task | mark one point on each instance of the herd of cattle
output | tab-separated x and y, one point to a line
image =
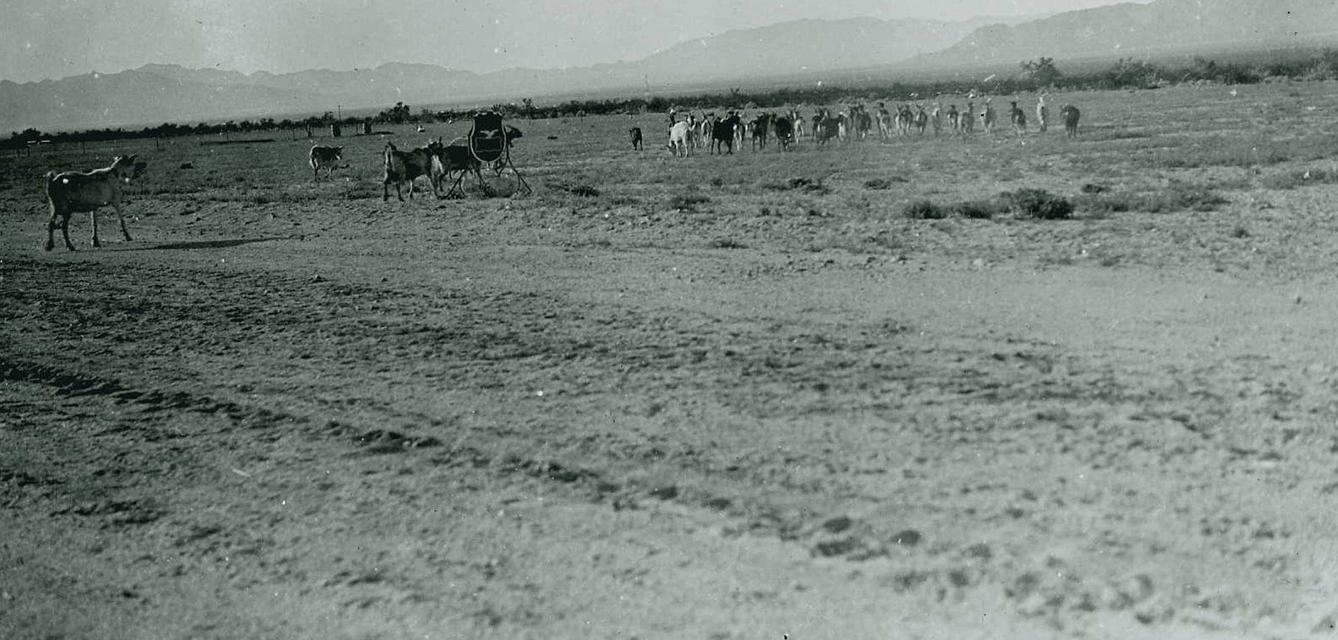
77	191
722	134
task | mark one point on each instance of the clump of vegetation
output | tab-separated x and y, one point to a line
687	201
1302	178
924	210
727	243
1038	204
1179	197
879	184
581	190
977	209
806	185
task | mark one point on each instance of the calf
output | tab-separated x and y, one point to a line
1018	118
75	191
1070	115
405	166
678	138
449	159
761	128
784	132
635	133
722	134
987	117
327	158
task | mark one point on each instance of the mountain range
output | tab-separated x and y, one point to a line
158	93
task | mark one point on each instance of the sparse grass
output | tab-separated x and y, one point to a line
1300	178
805	185
1180	197
726	243
882	184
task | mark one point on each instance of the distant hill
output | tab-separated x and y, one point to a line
158	93
1161	28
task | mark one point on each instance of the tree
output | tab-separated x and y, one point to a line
1042	71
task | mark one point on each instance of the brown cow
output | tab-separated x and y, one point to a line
76	191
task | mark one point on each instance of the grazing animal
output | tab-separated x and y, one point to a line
968	119
405	166
936	118
76	191
921	119
799	127
723	133
449	159
825	127
678	138
987	117
954	122
883	118
784	127
761	128
327	158
904	120
1018	118
1070	115
1042	114
635	133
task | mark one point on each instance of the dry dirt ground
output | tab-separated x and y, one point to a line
688	398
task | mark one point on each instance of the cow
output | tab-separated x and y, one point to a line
904	120
406	166
635	133
1018	118
761	127
799	129
825	127
987	117
448	159
723	133
678	138
1070	115
327	158
784	132
1042	114
76	191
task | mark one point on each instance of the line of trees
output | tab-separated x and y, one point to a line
1035	75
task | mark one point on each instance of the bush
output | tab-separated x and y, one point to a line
976	209
806	185
1038	204
924	210
687	202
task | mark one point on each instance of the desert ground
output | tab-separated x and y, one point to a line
741	397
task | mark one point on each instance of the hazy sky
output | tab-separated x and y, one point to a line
57	38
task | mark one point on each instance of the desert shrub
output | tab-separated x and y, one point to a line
1174	198
977	209
924	210
1038	203
807	185
687	201
1182	198
726	243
